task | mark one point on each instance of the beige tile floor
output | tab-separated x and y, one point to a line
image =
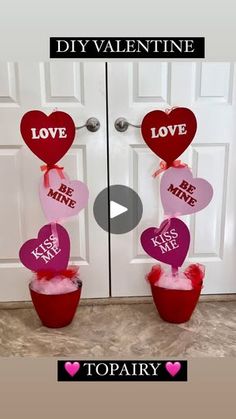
122	331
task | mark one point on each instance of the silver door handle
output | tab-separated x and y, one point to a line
92	124
121	124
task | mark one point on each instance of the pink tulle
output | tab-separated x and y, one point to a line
177	282
191	278
57	285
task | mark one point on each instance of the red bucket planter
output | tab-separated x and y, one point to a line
56	310
175	306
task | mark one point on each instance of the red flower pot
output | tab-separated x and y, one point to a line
56	310
175	306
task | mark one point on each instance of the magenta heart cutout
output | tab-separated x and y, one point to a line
173	368
50	251
181	193
169	243
72	367
62	198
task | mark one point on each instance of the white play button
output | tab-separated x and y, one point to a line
116	209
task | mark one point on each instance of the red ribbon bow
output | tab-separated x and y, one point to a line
164	166
47	169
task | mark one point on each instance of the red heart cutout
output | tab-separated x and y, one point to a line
48	137
169	134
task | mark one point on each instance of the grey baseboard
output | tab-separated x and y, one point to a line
12	305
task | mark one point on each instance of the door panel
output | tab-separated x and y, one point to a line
76	88
208	89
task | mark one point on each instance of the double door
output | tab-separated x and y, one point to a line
117	266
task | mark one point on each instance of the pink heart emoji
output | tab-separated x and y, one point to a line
72	367
50	251
173	368
169	243
62	198
181	193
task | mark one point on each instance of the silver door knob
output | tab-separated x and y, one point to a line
121	124
92	124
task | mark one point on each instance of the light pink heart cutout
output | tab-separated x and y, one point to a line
72	367
173	368
63	198
197	192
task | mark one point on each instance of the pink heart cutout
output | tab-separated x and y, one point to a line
62	198
169	243
197	192
173	368
50	251
72	367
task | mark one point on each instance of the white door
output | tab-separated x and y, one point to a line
209	90
76	88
